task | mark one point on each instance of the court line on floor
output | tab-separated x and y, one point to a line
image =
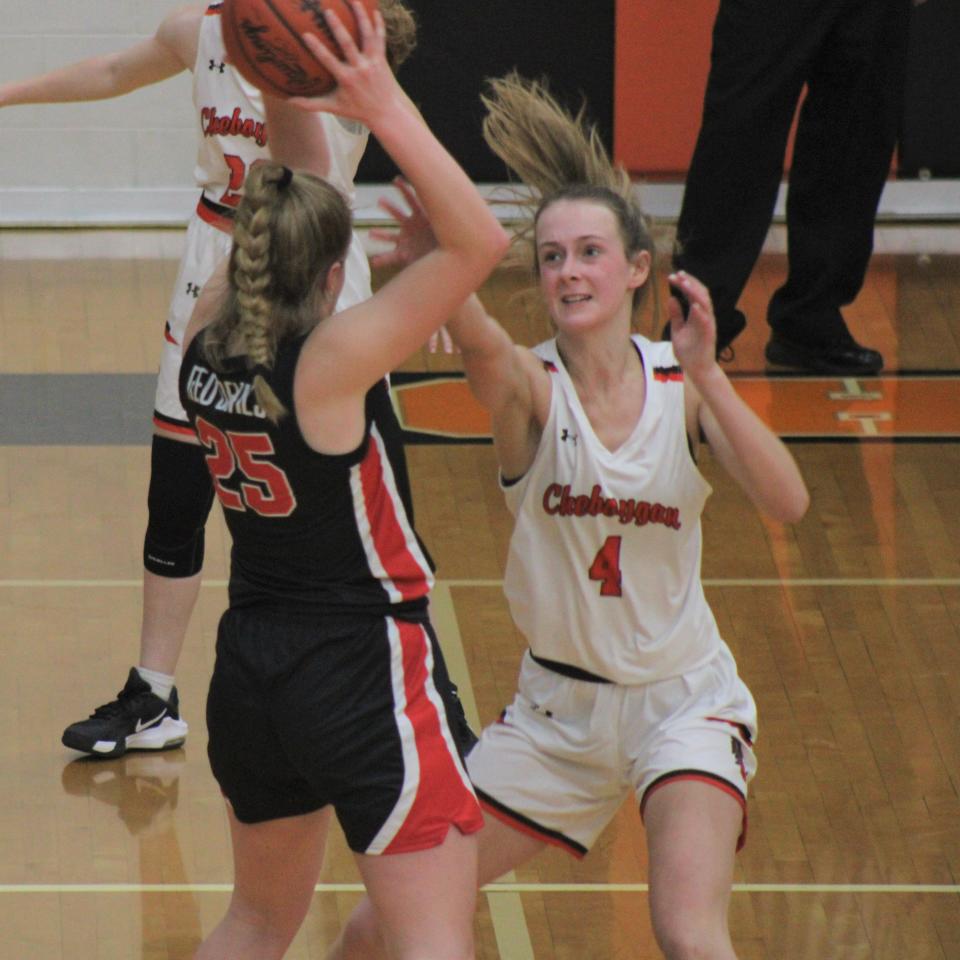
482	582
498	888
506	910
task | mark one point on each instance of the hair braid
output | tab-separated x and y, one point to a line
252	279
289	230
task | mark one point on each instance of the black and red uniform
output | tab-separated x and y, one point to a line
329	685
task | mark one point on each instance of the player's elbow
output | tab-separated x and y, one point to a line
477	258
493	242
500	243
792	504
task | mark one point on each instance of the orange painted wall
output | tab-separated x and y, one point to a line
662	59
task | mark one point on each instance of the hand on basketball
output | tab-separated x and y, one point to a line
694	338
365	84
414	236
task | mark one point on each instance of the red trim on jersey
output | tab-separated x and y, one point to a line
388	537
665	374
531	831
443	796
710	781
214	10
208	213
168	336
173	426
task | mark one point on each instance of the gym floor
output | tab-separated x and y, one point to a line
846	627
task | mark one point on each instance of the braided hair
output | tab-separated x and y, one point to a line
558	155
290	228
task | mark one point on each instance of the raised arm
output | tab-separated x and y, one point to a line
746	447
296	139
350	351
171	50
508	380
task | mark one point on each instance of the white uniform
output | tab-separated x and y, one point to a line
233	135
628	682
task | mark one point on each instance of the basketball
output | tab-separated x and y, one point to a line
264	42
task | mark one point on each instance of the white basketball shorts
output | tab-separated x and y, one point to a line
564	754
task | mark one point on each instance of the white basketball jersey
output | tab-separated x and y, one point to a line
233	133
603	571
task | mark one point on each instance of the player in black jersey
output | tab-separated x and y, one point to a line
329	691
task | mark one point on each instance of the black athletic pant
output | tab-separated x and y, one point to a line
851	54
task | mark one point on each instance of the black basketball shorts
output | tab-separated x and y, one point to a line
357	712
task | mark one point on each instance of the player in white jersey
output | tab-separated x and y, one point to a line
627	685
232	136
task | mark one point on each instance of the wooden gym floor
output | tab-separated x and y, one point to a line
845	626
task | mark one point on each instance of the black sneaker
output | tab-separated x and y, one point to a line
137	720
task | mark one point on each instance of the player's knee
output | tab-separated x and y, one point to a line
684	937
360	938
268	932
178	502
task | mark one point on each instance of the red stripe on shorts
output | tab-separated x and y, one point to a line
443	796
530	829
711	781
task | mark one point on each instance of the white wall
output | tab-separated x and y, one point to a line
129	160
126	160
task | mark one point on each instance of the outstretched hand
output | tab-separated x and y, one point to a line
410	241
414	236
694	337
366	85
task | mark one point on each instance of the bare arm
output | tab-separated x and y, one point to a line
746	447
169	51
750	452
350	351
296	139
508	380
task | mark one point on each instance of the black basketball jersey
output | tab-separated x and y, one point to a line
310	531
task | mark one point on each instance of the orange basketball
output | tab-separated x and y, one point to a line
264	41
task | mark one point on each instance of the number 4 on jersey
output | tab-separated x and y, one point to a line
606	568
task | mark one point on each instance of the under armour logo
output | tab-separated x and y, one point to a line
217	65
565	435
193	290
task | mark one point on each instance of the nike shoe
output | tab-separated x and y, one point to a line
137	720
